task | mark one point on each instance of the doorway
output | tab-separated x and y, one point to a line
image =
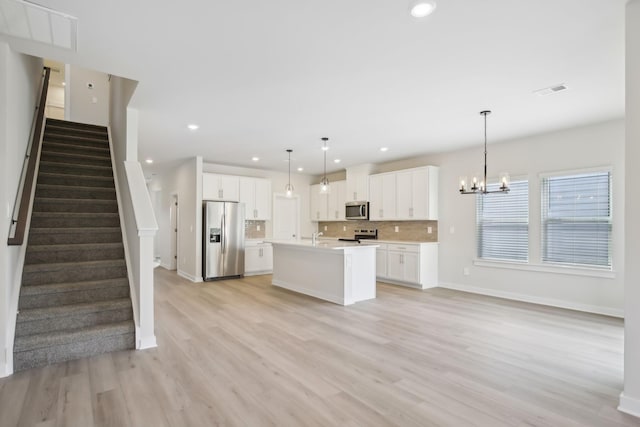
286	217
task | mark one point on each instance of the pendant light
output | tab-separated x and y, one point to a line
481	187
289	188
324	182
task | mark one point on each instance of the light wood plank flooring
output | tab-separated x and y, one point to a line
244	353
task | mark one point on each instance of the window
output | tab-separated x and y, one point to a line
503	223
576	219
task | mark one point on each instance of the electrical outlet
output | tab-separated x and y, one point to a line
396	229
466	271
94	100
325	228
429	230
344	228
452	230
258	227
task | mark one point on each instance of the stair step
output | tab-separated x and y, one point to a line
74	219
72	158
74	169
74	316
71	148
75	180
95	141
57	236
47	254
39	350
45	204
66	124
72	293
74	192
42	274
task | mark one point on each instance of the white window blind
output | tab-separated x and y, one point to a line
576	219
502	223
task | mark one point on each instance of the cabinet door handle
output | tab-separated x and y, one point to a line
381	215
355	196
411	212
255	213
336	214
220	193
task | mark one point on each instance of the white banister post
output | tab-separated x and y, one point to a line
146	334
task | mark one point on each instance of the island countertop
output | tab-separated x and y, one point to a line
337	271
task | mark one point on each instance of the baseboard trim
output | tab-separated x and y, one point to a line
166	266
188	276
5	371
607	311
629	405
147	342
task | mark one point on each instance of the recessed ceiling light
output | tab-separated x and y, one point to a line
193	127
383	149
551	89
149	161
336	161
422	8
300	169
255	159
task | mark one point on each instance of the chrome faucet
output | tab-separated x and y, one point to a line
315	236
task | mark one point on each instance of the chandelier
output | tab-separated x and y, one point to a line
480	187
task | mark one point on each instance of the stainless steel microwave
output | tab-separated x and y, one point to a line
357	210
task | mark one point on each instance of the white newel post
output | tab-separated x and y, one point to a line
146	334
630	397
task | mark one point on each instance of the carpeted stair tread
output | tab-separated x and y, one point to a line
74	168
75	125
74	158
73	180
75	219
75	192
62	266
68	148
38	296
36	341
41	254
72	286
58	236
59	204
31	314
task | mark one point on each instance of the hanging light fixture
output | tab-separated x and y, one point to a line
289	188
481	186
324	182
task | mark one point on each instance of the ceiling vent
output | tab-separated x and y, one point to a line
25	20
551	89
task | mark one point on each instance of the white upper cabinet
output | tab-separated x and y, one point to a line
357	185
382	197
220	187
318	204
255	193
336	201
413	193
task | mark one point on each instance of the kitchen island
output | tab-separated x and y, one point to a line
340	272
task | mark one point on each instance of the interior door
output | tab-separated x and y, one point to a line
286	217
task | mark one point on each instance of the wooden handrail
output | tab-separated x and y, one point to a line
25	199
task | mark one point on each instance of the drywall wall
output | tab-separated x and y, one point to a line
630	398
88	93
20	79
580	148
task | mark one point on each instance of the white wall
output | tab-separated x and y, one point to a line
579	148
20	77
88	105
630	398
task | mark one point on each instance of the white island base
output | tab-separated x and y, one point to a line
342	273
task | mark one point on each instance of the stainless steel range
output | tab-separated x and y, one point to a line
363	234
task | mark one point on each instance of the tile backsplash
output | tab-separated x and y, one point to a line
254	229
410	231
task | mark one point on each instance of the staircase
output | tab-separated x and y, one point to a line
74	300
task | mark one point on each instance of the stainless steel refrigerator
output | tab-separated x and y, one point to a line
223	245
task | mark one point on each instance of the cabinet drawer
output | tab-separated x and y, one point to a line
382	246
404	247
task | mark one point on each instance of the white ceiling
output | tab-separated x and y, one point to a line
263	76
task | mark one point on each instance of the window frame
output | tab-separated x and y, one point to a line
543	218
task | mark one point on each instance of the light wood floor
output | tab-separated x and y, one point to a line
245	353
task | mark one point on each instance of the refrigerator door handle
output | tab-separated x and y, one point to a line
223	237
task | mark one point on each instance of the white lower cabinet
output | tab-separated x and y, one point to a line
411	264
258	258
